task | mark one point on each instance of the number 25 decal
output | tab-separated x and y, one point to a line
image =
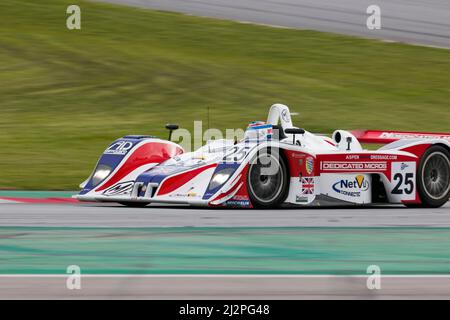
236	154
405	184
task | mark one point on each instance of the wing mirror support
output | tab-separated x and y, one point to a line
349	143
294	131
171	128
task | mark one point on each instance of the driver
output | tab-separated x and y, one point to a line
258	130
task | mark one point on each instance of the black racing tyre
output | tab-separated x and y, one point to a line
433	177
270	190
134	204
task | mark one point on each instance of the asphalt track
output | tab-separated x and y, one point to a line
217	286
111	215
223	288
425	22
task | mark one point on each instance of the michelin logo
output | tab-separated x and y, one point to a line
238	203
352	188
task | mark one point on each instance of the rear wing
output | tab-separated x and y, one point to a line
385	137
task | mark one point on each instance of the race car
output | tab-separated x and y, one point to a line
276	164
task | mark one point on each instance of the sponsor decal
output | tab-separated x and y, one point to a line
403	166
308	186
189	194
119	189
383	157
353	166
119	148
285	116
301	199
309	165
371	157
184	195
412	135
238	203
352	187
297	155
240	198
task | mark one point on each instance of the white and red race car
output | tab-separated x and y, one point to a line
276	164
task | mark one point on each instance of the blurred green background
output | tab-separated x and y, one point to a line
65	95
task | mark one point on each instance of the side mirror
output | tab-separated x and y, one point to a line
171	127
294	131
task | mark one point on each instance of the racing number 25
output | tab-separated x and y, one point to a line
405	184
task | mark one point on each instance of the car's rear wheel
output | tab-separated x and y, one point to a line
134	204
267	180
434	177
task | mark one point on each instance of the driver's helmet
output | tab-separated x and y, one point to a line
258	130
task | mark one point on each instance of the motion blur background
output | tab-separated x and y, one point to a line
65	94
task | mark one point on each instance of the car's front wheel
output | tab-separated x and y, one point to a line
434	177
267	180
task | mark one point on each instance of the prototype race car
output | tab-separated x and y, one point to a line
276	164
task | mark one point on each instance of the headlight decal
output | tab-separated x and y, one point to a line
100	174
221	175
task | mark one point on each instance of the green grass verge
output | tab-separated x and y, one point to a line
64	95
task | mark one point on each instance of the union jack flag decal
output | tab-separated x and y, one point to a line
308	185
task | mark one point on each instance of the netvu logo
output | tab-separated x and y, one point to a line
352	188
